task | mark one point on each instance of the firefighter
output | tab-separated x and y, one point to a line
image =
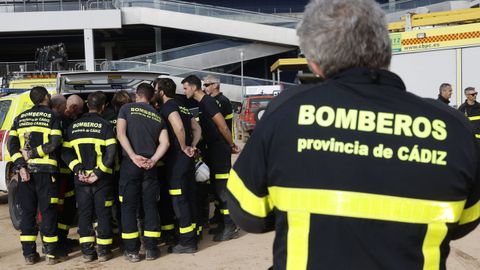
471	109
141	132
89	150
220	146
34	137
184	134
355	172
66	197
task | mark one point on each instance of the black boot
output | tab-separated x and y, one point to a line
230	231
104	253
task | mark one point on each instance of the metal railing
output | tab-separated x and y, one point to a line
183	72
411	4
25	66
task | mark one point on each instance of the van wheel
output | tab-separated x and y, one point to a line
13	204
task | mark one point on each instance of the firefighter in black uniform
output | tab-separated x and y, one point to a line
89	150
355	172
67	207
34	137
220	145
471	109
184	133
211	86
141	132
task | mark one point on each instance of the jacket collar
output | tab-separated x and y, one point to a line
360	75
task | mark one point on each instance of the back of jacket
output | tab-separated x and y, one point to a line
38	131
90	146
357	173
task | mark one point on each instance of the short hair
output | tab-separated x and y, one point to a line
443	87
342	34
470	88
193	80
96	100
166	85
145	90
212	79
119	99
58	100
37	94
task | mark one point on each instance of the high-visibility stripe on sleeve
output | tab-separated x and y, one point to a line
120	198
108	203
222	176
16	156
152	234
110	141
13	133
74	163
67	144
249	202
71	193
51	239
65	170
53	200
365	205
470	214
44	161
477	136
60	202
103	168
187	229
229	116
167	227
132	235
175	191
40	151
87	239
107	241
57	132
63	226
28	238
474	118
224	212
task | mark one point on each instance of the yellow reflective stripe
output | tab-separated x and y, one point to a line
16	156
28	238
108	203
60	201
73	163
120	198
249	202
110	141
52	239
108	241
199	230
474	118
57	132
132	235
187	229
22	131
71	193
43	161
104	169
63	226
76	142
13	133
436	232
297	240
222	176
87	239
175	191
40	151
151	234
224	212
53	200
67	144
477	136
65	171
365	205
470	214
167	227
229	116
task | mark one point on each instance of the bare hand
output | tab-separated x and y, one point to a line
92	178
139	161
189	151
24	175
25	154
235	149
149	164
83	176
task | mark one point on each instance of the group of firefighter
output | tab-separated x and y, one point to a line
126	166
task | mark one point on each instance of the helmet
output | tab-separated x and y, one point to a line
202	172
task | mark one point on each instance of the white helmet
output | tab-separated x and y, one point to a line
202	172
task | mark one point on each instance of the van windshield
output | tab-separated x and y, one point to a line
4	106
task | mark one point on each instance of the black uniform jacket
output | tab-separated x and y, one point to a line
357	173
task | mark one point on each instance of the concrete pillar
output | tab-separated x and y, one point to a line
391	5
158	44
89	49
108	50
